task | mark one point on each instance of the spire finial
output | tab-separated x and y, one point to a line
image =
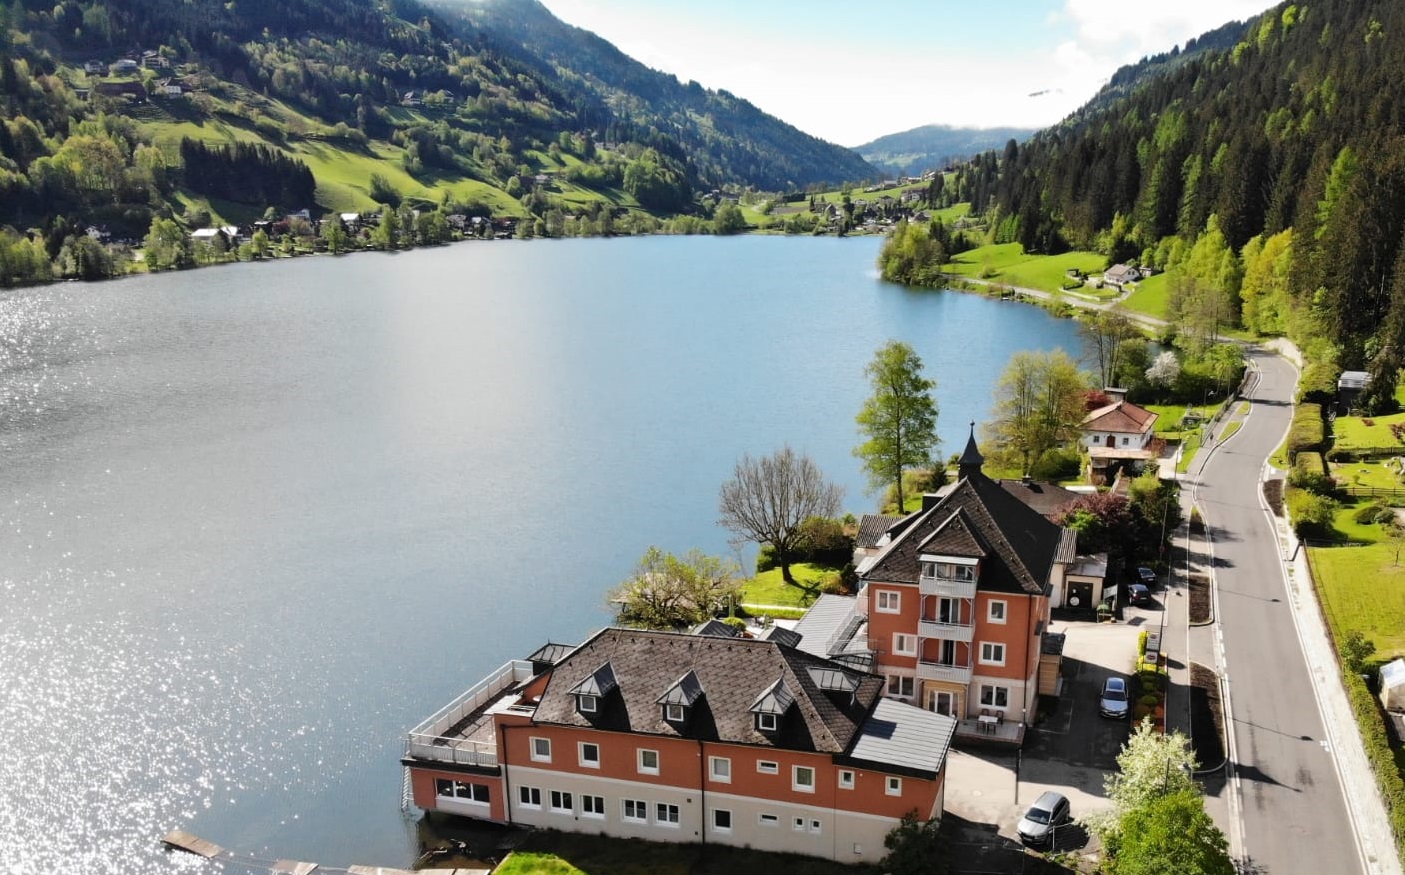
971	459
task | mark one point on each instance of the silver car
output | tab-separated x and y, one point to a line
1113	702
1049	812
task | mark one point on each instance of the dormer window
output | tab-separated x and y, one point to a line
593	687
771	706
766	722
685	693
587	704
673	713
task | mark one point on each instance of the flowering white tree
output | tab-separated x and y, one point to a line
1164	371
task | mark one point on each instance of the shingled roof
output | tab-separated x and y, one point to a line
872	528
733	675
1018	544
1121	417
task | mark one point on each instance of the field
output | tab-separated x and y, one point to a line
1362	588
1354	432
1150	298
769	588
1007	263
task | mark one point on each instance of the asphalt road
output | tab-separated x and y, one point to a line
1294	814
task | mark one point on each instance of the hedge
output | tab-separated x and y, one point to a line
1310	473
1307	432
1373	735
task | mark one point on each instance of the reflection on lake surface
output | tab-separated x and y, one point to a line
260	520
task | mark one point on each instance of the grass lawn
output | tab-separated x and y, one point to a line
1362	588
1189	446
1353	433
1150	298
769	588
1008	263
1230	429
559	853
1372	473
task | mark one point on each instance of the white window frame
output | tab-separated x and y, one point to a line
893	786
538	745
768	767
991	613
587	704
587	762
989	652
846	779
995	690
643	767
768	819
442	784
904	681
816	825
718	828
559	796
592	806
662	812
719	769
796	785
904	644
638	805
529	797
888	601
767	722
797	824
673	713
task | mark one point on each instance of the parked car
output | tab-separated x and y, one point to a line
1049	812
1113	701
1146	575
1138	594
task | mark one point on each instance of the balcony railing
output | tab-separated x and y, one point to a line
431	741
964	632
946	586
940	671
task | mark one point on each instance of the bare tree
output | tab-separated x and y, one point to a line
1103	333
768	499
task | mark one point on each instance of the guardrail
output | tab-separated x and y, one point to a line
428	740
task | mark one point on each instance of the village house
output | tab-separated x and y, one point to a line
125	65
686	738
1119	435
97	67
1119	276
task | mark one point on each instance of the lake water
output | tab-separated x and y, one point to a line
257	521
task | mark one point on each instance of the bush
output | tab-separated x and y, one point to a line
1310	473
1375	512
1307	432
1150	699
735	622
1057	464
1311	513
1373	734
1141	644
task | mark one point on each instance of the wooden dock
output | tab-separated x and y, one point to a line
183	841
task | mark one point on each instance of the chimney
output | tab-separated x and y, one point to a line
1117	395
929	500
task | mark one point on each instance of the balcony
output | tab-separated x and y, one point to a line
963	632
937	671
946	586
462	731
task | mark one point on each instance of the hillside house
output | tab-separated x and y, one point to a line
686	738
95	67
1119	435
1119	276
125	65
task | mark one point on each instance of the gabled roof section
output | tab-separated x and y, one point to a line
735	673
717	629
872	528
1021	544
551	653
781	635
904	738
598	683
1047	498
955	537
685	691
834	680
1120	417
775	699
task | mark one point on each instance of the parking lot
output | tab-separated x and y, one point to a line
1070	751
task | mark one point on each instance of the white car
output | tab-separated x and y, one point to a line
1113	702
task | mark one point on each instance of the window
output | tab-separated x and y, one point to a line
720	768
995	611
992	653
1124	442
803	779
673	713
541	750
815	826
634	811
798	824
587	704
529	797
767	767
590	755
444	787
901	686
766	722
846	779
721	820
593	806
475	793
665	814
768	819
561	802
904	644
889	601
948	571
648	762
998	697
895	786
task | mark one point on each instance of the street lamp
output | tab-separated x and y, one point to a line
1166	779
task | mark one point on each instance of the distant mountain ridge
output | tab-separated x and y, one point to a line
727	138
911	152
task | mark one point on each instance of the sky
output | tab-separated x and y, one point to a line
850	72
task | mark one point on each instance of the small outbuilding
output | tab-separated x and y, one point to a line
1393	685
1349	385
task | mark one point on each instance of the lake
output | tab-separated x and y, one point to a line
258	521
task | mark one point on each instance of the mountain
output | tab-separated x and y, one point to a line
1267	176
909	153
727	138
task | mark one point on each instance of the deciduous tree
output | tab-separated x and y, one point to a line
769	499
1039	405
671	592
1103	334
899	420
1171	833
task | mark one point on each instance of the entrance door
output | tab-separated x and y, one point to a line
942	702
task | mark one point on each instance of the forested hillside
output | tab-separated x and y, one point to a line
117	114
726	137
1268	178
931	146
